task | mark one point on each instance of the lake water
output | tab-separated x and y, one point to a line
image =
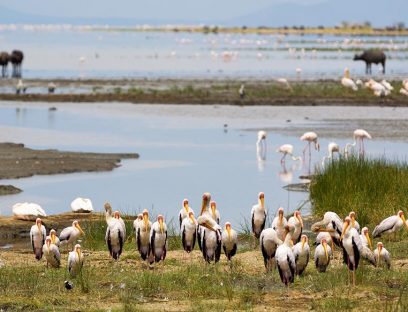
186	151
73	52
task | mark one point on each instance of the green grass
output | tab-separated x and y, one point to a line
373	188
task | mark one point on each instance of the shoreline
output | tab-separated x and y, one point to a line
203	91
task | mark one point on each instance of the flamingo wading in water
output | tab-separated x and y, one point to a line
310	137
359	135
287	149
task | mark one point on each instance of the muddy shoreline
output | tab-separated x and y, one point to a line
18	161
201	91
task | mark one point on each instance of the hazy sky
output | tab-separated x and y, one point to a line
145	9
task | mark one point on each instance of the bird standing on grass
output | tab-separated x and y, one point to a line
322	256
184	212
115	235
229	239
331	223
301	251
382	256
210	239
285	259
143	237
347	82
158	239
70	234
279	223
51	253
297	222
269	242
358	135
390	225
37	236
241	91
54	238
258	216
75	261
189	232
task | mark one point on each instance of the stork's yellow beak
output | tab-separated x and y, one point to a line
353	221
48	245
203	206
146	220
213	211
303	243
229	232
300	220
161	225
186	207
325	250
192	219
345	227
80	229
262	201
280	218
368	240
78	252
39	228
53	238
403	219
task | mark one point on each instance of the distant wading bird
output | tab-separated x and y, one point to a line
285	259
37	236
390	225
261	145
287	149
359	135
332	148
258	216
310	137
241	91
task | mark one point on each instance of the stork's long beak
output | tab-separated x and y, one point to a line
353	221
379	254
39	227
326	230
161	225
262	201
213	212
53	238
280	218
325	251
203	206
192	219
48	245
229	233
303	243
186	207
345	227
80	229
369	240
208	226
403	219
79	252
300	220
146	220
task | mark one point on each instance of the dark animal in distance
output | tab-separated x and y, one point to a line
371	56
16	59
4	59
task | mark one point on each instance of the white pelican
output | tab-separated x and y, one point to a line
184	211
332	148
279	223
115	236
28	211
301	251
241	91
20	87
377	88
332	223
70	234
189	232
285	83
205	211
403	91
358	135
366	252
297	222
382	256
387	85
158	239
81	205
54	238
285	259
352	247
310	137
269	242
143	236
37	236
390	225
229	240
51	87
354	223
258	216
287	149
211	239
51	253
347	82
322	256
75	261
215	214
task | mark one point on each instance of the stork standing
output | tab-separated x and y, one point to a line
143	237
189	232
158	239
285	259
205	211
54	238
258	216
211	239
229	240
287	149
366	252
352	247
382	256
279	223
75	261
70	234
297	222
51	253
301	251
115	236
37	236
184	212
269	242
322	256
358	135
390	225
215	214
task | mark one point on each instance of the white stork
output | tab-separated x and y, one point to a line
258	216
37	236
301	251
51	253
390	225
332	223
297	222
229	241
70	234
205	211
184	212
115	236
279	223
158	239
352	247
143	237
285	259
382	256
211	238
322	256
269	242
54	238
75	261
189	232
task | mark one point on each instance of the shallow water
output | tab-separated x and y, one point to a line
67	52
185	151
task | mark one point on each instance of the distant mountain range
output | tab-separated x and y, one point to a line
379	12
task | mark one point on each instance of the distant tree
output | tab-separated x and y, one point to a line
244	27
401	26
367	24
320	27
